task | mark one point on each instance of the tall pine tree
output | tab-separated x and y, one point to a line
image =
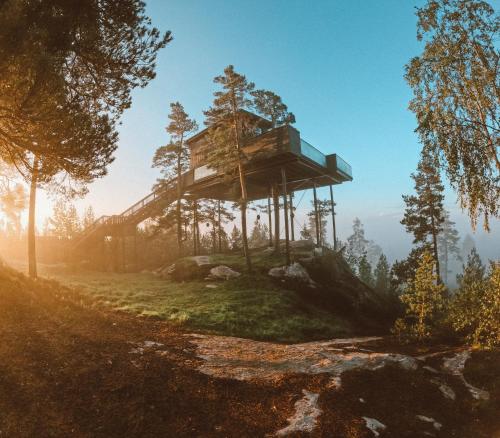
173	158
447	245
424	213
382	275
225	120
270	106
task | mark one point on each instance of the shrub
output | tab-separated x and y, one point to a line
424	300
475	309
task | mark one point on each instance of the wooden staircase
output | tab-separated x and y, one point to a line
135	214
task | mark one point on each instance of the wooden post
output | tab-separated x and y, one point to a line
276	202
104	252
195	227
219	231
270	221
123	248
292	215
285	207
136	260
333	219
316	216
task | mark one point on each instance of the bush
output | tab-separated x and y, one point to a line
424	300
475	309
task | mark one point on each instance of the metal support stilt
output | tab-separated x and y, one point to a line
195	227
123	250
316	215
270	221
333	219
219	231
276	202
292	215
285	207
136	260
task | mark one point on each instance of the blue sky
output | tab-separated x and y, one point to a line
338	65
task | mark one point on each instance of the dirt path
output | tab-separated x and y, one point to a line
69	369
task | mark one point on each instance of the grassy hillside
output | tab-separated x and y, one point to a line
252	307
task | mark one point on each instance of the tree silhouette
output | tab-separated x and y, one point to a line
66	76
447	245
382	275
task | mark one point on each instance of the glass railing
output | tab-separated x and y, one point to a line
312	153
343	166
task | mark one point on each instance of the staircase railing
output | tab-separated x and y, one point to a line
131	211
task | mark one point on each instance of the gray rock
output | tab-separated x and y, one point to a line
293	272
223	273
374	425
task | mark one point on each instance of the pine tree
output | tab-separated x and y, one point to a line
382	275
487	332
447	245
305	233
235	239
226	124
324	209
88	218
64	222
259	234
365	271
403	272
424	214
65	80
475	308
468	245
270	106
356	245
173	158
13	201
473	272
216	214
424	300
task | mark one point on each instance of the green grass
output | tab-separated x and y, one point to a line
249	306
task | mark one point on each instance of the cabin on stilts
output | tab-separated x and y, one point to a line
278	163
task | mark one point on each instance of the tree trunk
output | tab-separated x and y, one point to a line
178	208
195	220
219	226
316	217
332	204
445	260
285	212
31	221
270	221
435	250
243	209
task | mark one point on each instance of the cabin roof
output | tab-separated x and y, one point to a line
261	122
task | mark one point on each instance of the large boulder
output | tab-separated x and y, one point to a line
294	272
186	270
345	292
223	273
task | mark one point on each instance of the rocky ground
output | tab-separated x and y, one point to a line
68	368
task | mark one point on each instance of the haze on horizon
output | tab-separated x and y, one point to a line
337	65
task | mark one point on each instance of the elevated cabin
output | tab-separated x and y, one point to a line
269	150
279	163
